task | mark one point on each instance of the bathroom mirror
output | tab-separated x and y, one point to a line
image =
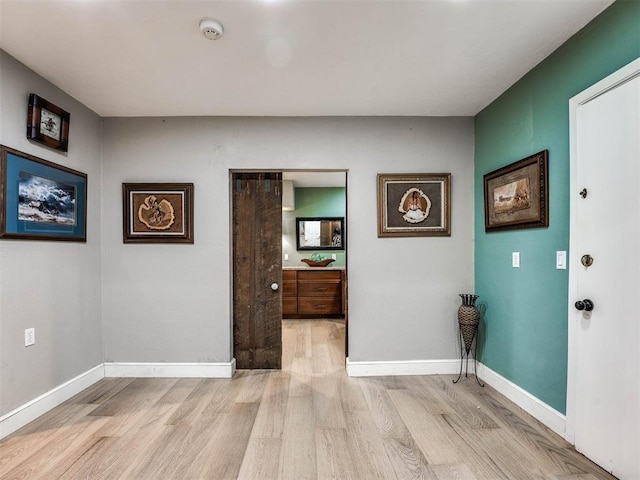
320	233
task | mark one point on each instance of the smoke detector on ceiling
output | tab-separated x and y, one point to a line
211	28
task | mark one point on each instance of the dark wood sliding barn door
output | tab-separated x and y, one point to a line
257	269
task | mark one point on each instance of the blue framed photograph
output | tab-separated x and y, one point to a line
41	200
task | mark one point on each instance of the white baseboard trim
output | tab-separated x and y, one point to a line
549	416
21	416
170	370
24	414
402	367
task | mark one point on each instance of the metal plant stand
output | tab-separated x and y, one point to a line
464	356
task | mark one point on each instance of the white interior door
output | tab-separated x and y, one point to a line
604	365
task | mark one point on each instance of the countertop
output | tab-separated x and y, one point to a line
313	268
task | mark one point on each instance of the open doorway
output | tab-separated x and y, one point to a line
314	261
271	271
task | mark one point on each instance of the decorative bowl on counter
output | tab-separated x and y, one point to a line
319	263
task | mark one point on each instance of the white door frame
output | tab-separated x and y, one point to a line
617	78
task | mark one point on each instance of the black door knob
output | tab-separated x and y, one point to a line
586	305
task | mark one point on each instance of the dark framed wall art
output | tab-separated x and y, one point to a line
320	233
416	204
47	123
40	200
517	195
157	212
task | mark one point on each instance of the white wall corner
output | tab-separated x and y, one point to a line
24	414
402	367
549	416
170	370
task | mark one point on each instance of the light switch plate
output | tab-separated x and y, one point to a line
561	260
515	259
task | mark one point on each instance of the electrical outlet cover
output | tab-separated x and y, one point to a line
29	337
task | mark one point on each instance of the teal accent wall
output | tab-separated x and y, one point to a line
323	202
525	325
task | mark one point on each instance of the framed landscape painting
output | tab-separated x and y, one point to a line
517	195
158	212
40	200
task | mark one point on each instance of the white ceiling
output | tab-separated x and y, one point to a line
288	57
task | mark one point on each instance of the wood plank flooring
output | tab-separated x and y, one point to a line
307	421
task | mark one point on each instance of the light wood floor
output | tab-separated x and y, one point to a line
307	421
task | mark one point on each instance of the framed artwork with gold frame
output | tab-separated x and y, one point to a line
414	205
157	212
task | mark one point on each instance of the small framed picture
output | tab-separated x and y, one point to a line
47	123
517	195
40	200
414	205
157	212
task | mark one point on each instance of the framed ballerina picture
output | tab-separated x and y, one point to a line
414	205
157	212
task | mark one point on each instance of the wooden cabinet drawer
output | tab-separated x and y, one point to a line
289	288
289	275
319	275
319	305
312	293
289	305
319	288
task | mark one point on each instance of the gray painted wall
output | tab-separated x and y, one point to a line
52	286
107	301
171	303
